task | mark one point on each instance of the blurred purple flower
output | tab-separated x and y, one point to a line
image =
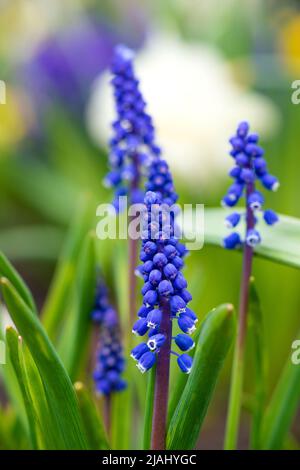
64	67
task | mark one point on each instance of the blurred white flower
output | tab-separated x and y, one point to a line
196	105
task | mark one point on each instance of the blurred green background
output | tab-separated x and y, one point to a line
206	65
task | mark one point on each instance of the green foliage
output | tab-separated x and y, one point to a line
92	421
213	344
58	387
282	407
281	244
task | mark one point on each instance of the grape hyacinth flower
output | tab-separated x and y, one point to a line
165	295
132	147
133	142
250	168
109	356
165	285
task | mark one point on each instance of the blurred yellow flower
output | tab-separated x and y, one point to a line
12	123
290	44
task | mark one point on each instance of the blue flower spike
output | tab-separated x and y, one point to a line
134	154
250	167
132	145
164	282
109	355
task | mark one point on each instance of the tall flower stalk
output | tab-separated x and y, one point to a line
165	296
131	147
250	167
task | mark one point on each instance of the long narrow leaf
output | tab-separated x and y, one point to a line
7	270
213	345
48	431
60	393
13	349
282	408
281	244
182	378
149	409
94	428
76	334
256	338
61	287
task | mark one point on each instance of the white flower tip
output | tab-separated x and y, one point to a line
191	330
228	224
141	368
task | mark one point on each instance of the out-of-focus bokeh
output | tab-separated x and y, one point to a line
204	66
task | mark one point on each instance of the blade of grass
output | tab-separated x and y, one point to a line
60	393
282	407
121	405
61	287
235	401
76	334
182	378
13	349
92	421
7	270
48	432
213	344
256	337
149	409
11	386
281	244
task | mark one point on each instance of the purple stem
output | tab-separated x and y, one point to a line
246	273
133	251
161	392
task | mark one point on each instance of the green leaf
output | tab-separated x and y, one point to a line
61	287
280	243
282	407
213	344
7	270
149	409
42	425
176	392
235	399
92	421
58	387
121	405
256	340
75	335
13	349
11	386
